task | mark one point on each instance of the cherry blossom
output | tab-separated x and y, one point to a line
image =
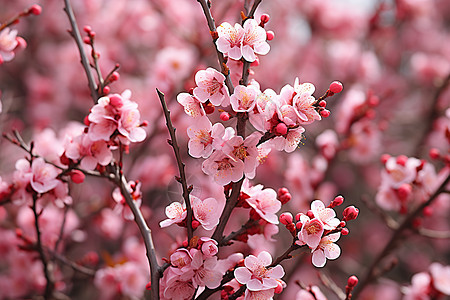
43	176
210	86
200	138
303	105
230	40
176	213
204	269
254	41
244	98
311	232
256	275
88	152
181	258
206	212
260	294
129	124
325	215
246	151
192	106
223	168
441	277
290	142
8	42
266	204
326	249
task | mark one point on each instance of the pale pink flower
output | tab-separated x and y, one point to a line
176	213
266	204
303	105
246	151
102	118
325	215
230	40
259	295
200	138
396	174
311	232
223	168
387	199
129	124
88	152
254	41
209	247
181	258
205	272
44	176
256	275
206	212
441	277
244	98
420	286
8	42
210	86
289	142
109	223
178	289
221	136
326	249
121	205
192	106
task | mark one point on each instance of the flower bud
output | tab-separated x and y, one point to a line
337	201
325	113
281	129
434	153
77	176
345	231
286	218
350	213
404	191
35	9
265	18
352	281
336	87
270	35
224	116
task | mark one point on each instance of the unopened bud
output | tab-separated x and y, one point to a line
337	201
384	158
195	224
352	281
224	116
286	218
77	176
279	288
325	113
345	231
350	213
35	9
434	153
401	160
281	129
265	18
404	191
270	35
336	87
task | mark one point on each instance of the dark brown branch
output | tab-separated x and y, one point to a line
76	267
121	182
176	150
50	285
390	246
75	32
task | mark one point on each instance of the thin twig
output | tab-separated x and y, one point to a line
75	32
329	283
50	285
76	267
181	166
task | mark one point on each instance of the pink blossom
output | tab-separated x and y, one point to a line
266	204
44	176
206	212
290	142
246	151
303	105
441	277
173	287
326	249
419	289
129	124
310	293
256	275
8	42
210	86
176	213
102	118
181	258
223	168
209	247
88	152
230	40
244	98
325	215
192	106
397	174
254	41
205	272
260	294
311	232
200	138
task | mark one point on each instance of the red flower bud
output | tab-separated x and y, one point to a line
336	87
286	218
352	281
350	213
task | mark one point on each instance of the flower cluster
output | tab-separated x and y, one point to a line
429	285
405	181
319	229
